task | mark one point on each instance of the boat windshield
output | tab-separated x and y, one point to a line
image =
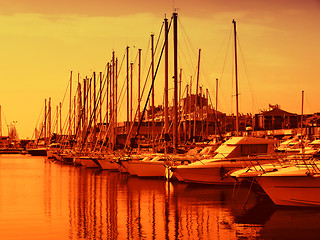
253	149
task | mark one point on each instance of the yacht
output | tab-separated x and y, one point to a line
296	185
234	154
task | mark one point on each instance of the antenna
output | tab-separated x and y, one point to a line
174	8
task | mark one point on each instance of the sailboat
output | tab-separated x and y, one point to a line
230	156
41	149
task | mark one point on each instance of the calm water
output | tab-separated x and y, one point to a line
40	199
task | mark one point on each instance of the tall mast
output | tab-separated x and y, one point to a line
175	96
79	105
236	73
112	102
128	90
302	121
216	124
152	94
100	109
60	107
85	104
45	120
207	113
49	119
94	101
0	123
187	113
107	98
196	99
116	99
139	80
70	106
57	120
179	106
166	83
201	112
131	81
190	109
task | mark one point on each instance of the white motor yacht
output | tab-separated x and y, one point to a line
232	155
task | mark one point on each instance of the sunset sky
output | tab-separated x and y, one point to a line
42	41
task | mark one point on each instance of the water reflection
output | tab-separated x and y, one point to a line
40	199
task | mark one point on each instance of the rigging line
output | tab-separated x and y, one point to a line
104	118
308	102
134	71
184	33
183	56
192	55
68	85
95	147
223	67
248	78
215	116
120	96
34	134
92	116
149	71
226	56
86	99
153	80
86	96
6	120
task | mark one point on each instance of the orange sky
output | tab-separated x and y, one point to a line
42	41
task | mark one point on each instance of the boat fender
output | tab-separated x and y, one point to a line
185	162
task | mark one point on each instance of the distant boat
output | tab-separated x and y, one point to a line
37	151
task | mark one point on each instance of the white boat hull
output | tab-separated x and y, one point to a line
108	164
292	190
87	162
205	174
147	169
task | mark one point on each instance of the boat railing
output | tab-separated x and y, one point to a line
263	162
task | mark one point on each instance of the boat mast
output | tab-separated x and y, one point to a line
60	123
112	100
131	85
94	102
302	146
196	100
175	97
70	103
186	116
139	97
115	121
0	123
45	121
179	106
190	109
49	120
152	93
236	74
139	87
127	128
166	83
216	124
100	90
207	113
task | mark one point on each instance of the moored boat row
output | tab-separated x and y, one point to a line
289	180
